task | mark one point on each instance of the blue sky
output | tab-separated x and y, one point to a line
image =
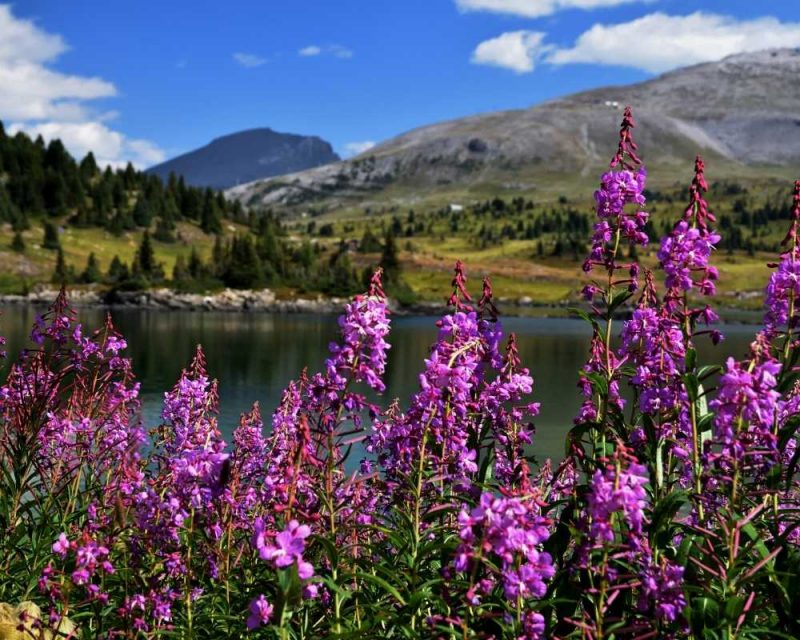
147	80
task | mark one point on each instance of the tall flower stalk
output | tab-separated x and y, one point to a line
619	202
684	256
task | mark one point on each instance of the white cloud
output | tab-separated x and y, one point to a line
335	50
41	100
536	8
356	148
146	152
340	52
249	60
109	147
515	50
33	92
23	41
659	42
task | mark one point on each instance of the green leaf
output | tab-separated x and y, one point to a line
618	300
733	607
691	359
368	577
584	316
704	613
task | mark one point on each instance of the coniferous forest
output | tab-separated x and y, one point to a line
43	185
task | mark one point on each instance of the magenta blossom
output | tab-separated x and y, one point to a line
288	548
260	613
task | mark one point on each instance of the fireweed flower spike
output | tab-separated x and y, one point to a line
653	342
440	430
684	256
782	298
510	433
615	550
619	189
685	252
747	408
619	203
364	327
501	546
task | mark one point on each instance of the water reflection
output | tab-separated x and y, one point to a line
255	355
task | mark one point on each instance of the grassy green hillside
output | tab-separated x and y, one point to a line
36	264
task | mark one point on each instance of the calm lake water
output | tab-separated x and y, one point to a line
255	355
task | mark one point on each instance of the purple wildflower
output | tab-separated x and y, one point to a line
260	613
782	298
685	252
504	536
619	189
662	589
61	546
746	409
618	489
364	327
288	548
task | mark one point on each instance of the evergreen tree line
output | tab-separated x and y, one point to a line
251	259
43	181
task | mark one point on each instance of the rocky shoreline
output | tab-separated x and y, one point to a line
227	300
266	301
232	300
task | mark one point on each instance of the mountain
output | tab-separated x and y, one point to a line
246	156
743	113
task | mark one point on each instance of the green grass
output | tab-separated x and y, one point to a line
515	270
36	264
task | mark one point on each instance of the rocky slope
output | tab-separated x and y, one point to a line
246	156
743	110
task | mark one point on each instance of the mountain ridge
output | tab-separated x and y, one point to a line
741	111
247	155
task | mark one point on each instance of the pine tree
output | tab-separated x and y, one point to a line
102	202
81	217
54	194
62	274
196	268
116	224
218	257
343	280
7	209
18	244
369	243
118	271
390	263
51	240
91	273
192	204
88	168
142	215
164	232
119	196
145	262
211	220
243	267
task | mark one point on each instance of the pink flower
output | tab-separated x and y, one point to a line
260	613
61	546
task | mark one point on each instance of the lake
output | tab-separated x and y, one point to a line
255	355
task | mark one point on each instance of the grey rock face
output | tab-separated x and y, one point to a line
743	109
